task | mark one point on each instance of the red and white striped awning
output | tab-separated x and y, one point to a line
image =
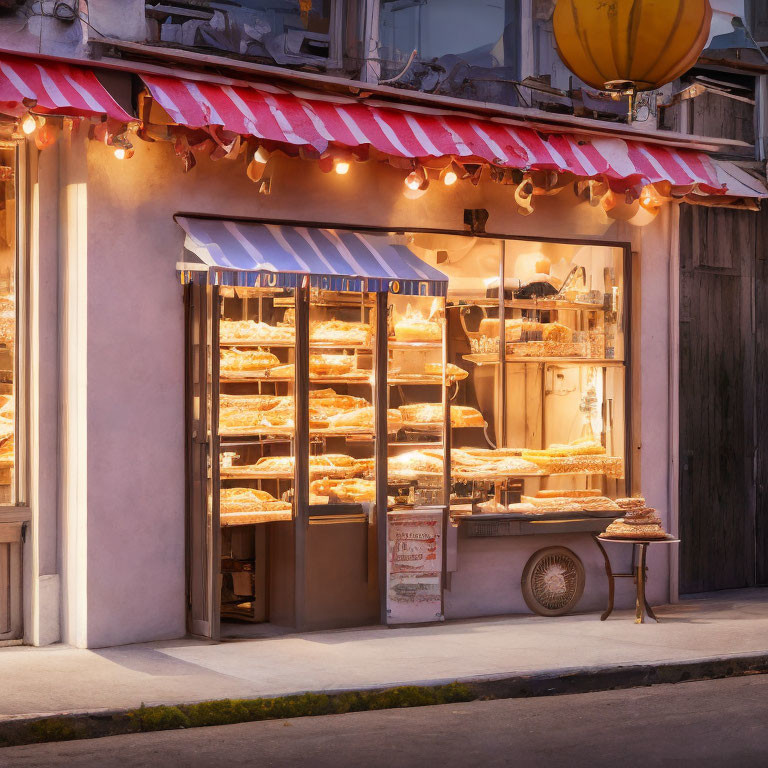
54	88
308	119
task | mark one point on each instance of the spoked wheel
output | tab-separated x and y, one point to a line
553	581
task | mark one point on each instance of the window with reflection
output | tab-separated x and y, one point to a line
462	49
8	335
281	31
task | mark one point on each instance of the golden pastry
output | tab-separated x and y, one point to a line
331	365
345	491
339	332
414	327
431	414
246	360
452	372
624	529
557	332
414	463
636	502
234	331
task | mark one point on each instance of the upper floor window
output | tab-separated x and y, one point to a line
471	50
286	32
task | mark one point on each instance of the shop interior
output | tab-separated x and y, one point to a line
332	407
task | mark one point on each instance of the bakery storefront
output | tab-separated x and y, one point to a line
405	402
331	363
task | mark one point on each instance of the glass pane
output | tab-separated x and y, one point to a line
547	383
7	323
417	392
341	385
563	301
456	43
256	405
276	29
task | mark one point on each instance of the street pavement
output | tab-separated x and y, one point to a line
714	723
56	679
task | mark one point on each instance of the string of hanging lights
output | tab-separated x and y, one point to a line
637	205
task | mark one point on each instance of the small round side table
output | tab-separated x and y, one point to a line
639	573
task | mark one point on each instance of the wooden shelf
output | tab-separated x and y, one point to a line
544	305
492	358
393	344
292	344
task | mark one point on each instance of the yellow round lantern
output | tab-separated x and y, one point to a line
639	45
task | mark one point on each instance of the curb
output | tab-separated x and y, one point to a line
66	726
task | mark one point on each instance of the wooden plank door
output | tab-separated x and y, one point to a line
717	399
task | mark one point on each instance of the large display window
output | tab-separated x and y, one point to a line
352	422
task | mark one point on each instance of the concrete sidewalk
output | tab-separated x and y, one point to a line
58	679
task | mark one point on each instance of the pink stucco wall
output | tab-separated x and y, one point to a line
135	373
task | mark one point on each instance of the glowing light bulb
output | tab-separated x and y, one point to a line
646	198
413	181
261	155
120	153
341	167
29	125
450	178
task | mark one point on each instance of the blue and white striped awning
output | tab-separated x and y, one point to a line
274	255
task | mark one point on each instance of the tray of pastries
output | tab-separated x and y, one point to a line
242	506
339	333
582	456
252	332
433	374
428	416
413	465
642	523
414	328
361	421
571	501
469	464
330	491
245	363
329	412
336	465
256	364
331	332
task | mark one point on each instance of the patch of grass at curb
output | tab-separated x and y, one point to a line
228	712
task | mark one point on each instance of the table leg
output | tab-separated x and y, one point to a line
640	603
611	580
